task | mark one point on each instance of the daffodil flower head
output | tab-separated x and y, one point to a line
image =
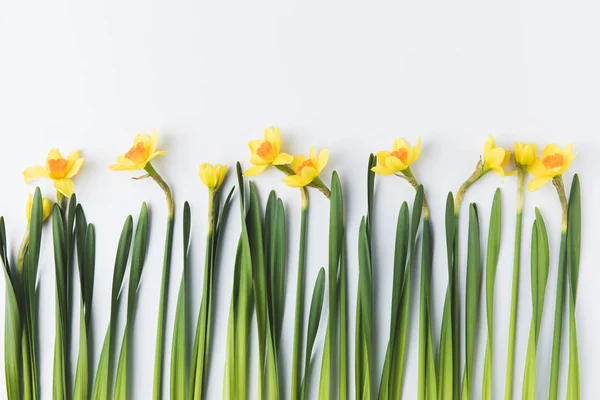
59	169
264	153
525	154
46	208
553	163
495	158
212	175
399	159
141	153
307	169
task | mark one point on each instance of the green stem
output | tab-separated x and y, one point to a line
560	292
299	315
201	348
479	172
475	176
410	178
510	363
160	328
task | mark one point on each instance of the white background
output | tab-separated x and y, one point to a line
344	76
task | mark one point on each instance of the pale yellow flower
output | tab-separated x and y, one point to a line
267	152
140	154
553	163
212	175
307	169
399	159
495	158
59	169
525	154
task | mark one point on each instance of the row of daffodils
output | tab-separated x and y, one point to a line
446	363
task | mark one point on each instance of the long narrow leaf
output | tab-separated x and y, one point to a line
493	252
101	389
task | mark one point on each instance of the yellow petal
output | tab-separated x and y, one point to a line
381	157
53	154
489	145
309	173
208	175
125	164
75	167
323	159
313	156
154	155
145	139
253	145
383	171
46	208
295	181
551	149
494	157
65	186
282	159
273	136
537	183
395	164
221	172
537	168
255	170
258	160
153	141
414	152
400	143
35	172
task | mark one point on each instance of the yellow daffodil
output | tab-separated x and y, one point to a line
307	169
399	159
59	169
525	154
554	162
495	158
46	207
212	175
140	154
266	152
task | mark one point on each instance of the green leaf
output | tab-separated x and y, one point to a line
427	380
493	252
59	386
336	232
140	247
314	318
87	284
12	326
101	390
178	345
446	372
573	256
299	308
472	299
364	313
400	256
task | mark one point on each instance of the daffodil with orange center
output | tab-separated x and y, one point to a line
554	162
267	152
141	153
306	170
59	169
139	157
399	159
